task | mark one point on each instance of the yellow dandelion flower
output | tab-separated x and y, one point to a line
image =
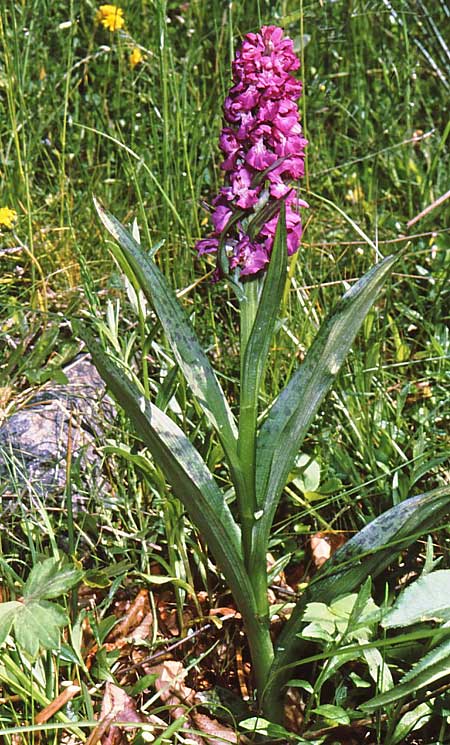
136	57
111	17
7	217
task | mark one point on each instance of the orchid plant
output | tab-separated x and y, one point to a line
257	224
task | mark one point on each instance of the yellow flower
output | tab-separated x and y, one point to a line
111	17
136	57
7	217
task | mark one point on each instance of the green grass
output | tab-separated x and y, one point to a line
77	121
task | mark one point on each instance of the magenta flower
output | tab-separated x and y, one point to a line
264	152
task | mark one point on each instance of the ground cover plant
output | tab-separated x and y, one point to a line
127	106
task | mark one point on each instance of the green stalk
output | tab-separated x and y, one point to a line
246	445
258	625
261	650
249	306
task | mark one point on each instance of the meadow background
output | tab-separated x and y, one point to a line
78	118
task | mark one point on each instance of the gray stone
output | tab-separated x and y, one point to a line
58	419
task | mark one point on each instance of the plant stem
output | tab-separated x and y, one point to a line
258	578
247	426
261	650
248	308
258	624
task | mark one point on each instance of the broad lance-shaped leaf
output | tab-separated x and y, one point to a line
261	334
185	470
292	413
434	666
257	349
368	553
188	353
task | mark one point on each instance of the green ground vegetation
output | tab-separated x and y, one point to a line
77	119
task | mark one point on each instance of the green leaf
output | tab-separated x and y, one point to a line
378	669
30	687
37	624
292	413
35	621
345	617
261	726
319	613
335	662
363	605
96	578
185	470
426	599
306	474
359	682
432	667
258	344
368	553
430	562
140	461
7	614
188	353
333	714
319	630
147	681
300	683
410	721
50	579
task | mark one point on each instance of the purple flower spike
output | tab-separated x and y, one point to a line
264	152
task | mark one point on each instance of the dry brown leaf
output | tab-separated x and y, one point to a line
173	690
176	694
143	631
135	625
293	709
168	618
423	389
213	729
279	578
137	611
116	706
17	740
242	673
324	544
225	613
